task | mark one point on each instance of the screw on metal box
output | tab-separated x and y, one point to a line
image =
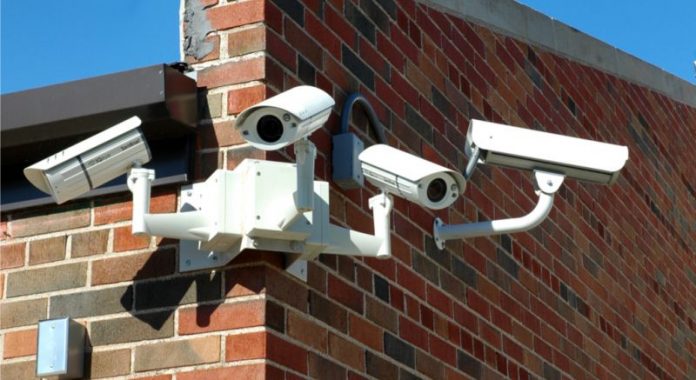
60	348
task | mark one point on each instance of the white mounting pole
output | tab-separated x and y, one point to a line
546	183
381	206
139	183
305	154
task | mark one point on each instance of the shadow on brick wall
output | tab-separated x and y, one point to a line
154	300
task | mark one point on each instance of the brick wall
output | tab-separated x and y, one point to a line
604	288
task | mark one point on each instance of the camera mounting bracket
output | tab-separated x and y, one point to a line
546	185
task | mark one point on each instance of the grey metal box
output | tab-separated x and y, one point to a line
347	171
61	348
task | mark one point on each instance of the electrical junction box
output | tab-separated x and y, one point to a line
347	170
61	349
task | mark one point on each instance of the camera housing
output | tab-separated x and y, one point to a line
528	149
285	118
411	177
91	162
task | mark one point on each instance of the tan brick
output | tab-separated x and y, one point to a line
47	250
213	106
124	240
108	363
242	98
133	267
12	255
22	313
246	41
236	156
89	243
20	343
347	352
2	285
46	279
132	328
43	224
177	354
21	370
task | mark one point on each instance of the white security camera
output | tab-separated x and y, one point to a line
91	162
285	118
521	148
411	177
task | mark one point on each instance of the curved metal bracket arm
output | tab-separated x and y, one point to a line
354	98
546	183
343	241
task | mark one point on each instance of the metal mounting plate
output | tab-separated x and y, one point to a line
190	257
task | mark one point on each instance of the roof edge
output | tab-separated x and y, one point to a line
523	22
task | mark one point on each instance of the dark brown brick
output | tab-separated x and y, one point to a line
320	367
327	312
89	243
47	250
177	291
22	313
132	328
92	303
46	279
177	354
380	368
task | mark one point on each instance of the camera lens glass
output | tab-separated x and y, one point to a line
269	128
437	189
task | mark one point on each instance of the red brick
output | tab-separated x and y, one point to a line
124	240
51	222
345	294
12	255
241	98
237	14
232	73
326	38
133	267
246	346
300	41
439	299
287	354
411	281
246	371
413	333
112	213
281	51
365	332
195	320
19	343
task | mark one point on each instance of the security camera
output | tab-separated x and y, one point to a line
91	162
285	118
411	177
520	148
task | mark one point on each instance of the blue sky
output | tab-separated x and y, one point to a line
661	32
51	41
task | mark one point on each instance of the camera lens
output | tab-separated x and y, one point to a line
269	128
437	189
